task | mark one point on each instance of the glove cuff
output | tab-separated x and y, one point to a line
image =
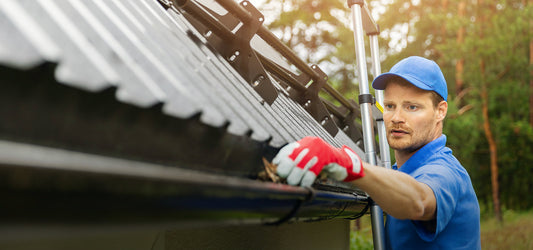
355	169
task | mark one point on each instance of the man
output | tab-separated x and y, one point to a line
428	196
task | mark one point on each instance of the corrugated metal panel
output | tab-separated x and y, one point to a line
32	45
151	56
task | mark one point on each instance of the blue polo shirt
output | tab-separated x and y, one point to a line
457	219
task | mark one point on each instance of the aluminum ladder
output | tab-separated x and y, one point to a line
363	21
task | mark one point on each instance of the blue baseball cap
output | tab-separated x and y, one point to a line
421	72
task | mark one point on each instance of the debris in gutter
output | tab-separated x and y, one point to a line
269	174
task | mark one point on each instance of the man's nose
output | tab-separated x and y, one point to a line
397	116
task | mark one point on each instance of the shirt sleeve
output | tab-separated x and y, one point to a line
446	187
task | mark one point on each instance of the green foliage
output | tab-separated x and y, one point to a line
359	241
319	32
496	33
515	233
502	43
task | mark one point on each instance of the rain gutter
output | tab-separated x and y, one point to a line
44	184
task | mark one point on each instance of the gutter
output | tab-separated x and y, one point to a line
44	185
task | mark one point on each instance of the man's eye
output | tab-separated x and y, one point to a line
389	106
412	107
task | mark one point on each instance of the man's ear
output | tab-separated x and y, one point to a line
442	110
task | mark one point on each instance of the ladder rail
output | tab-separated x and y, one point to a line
382	133
365	102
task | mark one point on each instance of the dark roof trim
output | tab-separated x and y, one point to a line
72	187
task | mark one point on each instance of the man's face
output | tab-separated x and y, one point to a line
410	117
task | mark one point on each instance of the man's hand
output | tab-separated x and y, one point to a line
301	162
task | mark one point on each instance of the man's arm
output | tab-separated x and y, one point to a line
398	194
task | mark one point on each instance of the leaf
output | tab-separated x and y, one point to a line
270	172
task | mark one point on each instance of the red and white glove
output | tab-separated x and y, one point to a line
301	162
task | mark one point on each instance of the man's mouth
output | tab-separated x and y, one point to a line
398	132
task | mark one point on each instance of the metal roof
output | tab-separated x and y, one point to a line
150	55
93	74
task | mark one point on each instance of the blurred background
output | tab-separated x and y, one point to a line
485	50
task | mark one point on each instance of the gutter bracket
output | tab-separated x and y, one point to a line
310	100
234	45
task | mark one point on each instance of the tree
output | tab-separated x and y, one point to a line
494	52
482	48
485	51
319	32
529	3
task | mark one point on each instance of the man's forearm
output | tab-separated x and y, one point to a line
398	194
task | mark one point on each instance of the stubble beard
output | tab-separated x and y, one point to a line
408	143
405	147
